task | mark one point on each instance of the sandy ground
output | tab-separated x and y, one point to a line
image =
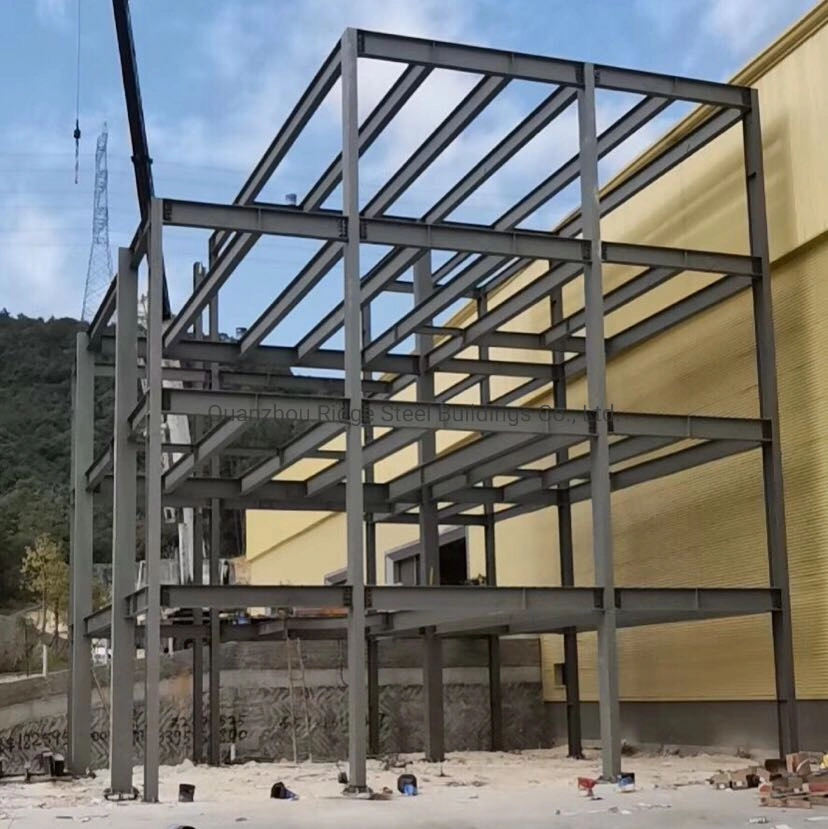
470	789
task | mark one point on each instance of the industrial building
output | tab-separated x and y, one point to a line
708	683
598	432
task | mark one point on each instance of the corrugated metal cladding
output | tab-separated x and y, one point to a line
704	526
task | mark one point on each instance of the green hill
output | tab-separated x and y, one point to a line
35	446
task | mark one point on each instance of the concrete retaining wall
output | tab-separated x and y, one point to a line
258	708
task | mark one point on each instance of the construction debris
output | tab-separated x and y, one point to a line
799	783
278	791
747	778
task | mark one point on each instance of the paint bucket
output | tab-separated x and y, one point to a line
406	780
186	793
626	782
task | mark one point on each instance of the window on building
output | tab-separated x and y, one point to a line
560	674
404	565
407	570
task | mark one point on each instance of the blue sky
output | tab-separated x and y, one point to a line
218	77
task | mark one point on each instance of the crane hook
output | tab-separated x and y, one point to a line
77	135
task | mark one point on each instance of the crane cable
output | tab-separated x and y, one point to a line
77	132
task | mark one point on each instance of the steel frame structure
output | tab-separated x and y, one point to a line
462	486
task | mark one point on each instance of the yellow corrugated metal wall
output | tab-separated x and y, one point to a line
703	526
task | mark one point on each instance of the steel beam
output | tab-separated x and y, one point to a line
772	468
124	515
732	264
395	263
409	233
700	137
566	469
327	256
440	300
465	58
80	557
375	451
635	607
310	101
102	316
613	300
668	465
270	364
502	464
611	138
397	414
556	277
210	445
98	625
401	91
294	451
452	464
100	466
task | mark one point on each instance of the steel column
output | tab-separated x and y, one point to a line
80	554
124	508
214	680
490	551
198	643
434	725
566	556
371	572
609	709
198	575
153	509
357	688
772	471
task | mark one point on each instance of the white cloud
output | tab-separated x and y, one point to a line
53	12
262	81
743	25
740	27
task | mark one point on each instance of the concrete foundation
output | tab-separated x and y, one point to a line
722	725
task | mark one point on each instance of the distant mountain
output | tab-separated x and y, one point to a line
36	361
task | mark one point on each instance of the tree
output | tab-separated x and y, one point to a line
45	575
